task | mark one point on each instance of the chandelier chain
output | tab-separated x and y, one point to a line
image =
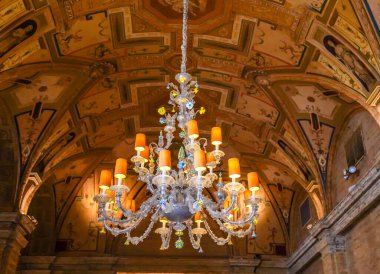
184	35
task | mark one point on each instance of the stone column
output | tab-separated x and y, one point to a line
333	255
14	228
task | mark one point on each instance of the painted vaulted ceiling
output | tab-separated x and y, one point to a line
78	79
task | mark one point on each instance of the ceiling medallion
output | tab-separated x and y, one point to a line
177	195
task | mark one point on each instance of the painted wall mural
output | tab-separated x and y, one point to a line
285	50
10	12
357	39
267	112
269	235
350	60
45	88
80	229
281	185
248	138
310	99
320	142
78	38
30	130
373	10
13	38
330	69
21	55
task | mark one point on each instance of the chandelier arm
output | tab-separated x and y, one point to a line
240	233
117	231
216	213
136	240
165	238
224	213
195	243
144	209
104	216
125	211
153	149
204	140
216	239
242	222
184	35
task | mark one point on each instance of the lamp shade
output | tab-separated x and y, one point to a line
247	194
145	153
199	160
210	158
130	204
234	168
253	181
164	160
216	136
140	142
111	194
198	217
121	168
105	179
192	129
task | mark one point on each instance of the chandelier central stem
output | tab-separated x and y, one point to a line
184	35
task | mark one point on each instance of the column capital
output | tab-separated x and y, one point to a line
336	243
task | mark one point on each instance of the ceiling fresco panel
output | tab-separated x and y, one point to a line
320	142
98	70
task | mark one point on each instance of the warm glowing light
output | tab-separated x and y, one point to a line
253	181
110	193
210	158
216	136
121	168
192	129
145	153
198	217
165	160
105	179
140	142
199	160
130	204
234	168
247	194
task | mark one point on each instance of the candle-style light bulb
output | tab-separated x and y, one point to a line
140	142
192	129
234	168
105	180
216	137
164	162
199	160
253	181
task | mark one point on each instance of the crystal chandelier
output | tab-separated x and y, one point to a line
177	195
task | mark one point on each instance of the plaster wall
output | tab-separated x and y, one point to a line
315	267
370	132
363	244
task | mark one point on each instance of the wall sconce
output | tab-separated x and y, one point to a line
349	171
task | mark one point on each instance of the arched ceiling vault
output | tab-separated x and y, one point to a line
80	78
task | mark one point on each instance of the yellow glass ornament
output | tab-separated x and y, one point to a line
161	110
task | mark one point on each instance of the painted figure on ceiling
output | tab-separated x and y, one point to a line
16	36
345	56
